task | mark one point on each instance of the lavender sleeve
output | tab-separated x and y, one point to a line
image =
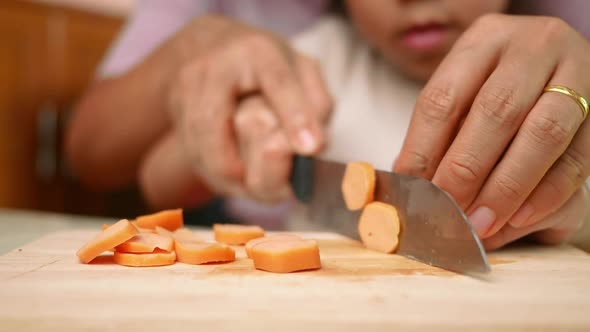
574	12
153	22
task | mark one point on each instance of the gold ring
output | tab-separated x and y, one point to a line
581	101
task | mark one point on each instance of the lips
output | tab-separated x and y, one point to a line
425	38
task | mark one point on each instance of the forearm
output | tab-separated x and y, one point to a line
116	121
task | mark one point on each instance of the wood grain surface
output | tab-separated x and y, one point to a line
44	288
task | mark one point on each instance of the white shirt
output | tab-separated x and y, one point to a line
374	103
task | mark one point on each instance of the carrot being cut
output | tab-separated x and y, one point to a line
158	258
201	253
107	239
379	227
236	234
358	185
146	242
169	219
278	237
286	256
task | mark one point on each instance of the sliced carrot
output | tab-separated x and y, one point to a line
169	219
146	242
107	239
158	258
201	253
181	234
236	234
139	229
186	235
164	231
286	256
379	227
278	237
358	185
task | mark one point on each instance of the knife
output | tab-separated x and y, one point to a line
434	229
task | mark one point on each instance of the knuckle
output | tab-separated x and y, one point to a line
577	166
415	163
554	29
511	189
549	130
437	103
465	168
498	105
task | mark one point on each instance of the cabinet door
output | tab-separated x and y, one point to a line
23	88
48	56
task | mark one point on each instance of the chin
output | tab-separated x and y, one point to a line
418	71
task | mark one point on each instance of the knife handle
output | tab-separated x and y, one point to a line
301	178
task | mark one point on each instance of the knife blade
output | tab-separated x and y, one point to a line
434	229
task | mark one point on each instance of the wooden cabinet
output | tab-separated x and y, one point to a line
48	55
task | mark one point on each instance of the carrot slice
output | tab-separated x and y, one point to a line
163	231
358	185
286	256
169	219
278	237
146	242
379	227
107	239
186	235
158	258
236	234
181	234
201	253
140	229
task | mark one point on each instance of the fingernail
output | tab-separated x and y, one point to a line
482	219
521	216
307	143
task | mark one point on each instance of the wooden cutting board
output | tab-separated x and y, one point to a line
43	287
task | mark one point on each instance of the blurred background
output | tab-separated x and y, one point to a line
50	51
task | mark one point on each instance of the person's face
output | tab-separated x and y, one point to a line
415	35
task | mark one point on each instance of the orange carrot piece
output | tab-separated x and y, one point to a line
286	256
379	227
236	234
358	185
163	231
201	253
181	234
146	242
158	258
169	219
277	237
140	229
107	239
186	235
